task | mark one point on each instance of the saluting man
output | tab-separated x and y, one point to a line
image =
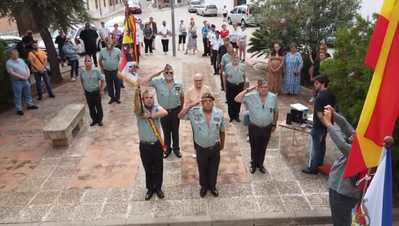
208	127
263	116
170	96
233	80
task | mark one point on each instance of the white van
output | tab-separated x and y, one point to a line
242	14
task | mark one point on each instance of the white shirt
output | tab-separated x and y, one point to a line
216	43
234	35
211	35
164	32
242	37
139	34
225	11
104	32
182	28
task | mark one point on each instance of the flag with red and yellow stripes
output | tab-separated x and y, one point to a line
381	107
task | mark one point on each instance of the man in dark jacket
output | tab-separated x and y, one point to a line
89	37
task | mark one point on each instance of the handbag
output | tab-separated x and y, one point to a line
194	35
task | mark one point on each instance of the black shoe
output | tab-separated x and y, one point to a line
252	169
93	123
122	86
177	153
148	195
238	120
111	101
203	192
160	194
215	192
20	113
52	96
118	101
39	98
262	169
100	124
33	107
231	120
166	154
307	170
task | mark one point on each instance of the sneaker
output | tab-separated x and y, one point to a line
307	170
20	113
100	124
39	98
111	101
73	79
93	124
52	96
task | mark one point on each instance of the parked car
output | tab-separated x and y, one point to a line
193	6
242	14
10	41
207	10
135	6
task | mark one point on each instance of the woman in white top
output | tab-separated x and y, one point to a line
242	43
182	34
234	36
164	32
192	37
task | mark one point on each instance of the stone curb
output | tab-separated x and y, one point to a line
298	218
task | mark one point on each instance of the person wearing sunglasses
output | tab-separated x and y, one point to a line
170	96
93	83
208	127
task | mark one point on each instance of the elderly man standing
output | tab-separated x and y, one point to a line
233	80
20	74
263	116
226	58
171	97
109	61
194	93
208	127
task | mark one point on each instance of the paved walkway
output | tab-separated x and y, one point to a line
99	179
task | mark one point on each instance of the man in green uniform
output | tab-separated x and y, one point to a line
263	116
148	122
170	96
208	127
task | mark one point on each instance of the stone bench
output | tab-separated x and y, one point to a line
60	128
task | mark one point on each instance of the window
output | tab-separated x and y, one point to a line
110	3
234	10
96	4
105	4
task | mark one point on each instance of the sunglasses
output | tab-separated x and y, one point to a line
169	72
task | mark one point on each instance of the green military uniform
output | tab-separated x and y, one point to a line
207	144
170	99
260	126
235	78
150	152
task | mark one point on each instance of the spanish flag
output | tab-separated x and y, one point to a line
381	107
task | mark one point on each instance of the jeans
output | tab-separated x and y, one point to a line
74	67
206	46
21	89
318	150
341	208
113	84
39	86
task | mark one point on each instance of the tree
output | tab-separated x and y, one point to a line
48	14
306	22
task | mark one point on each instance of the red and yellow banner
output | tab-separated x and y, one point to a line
381	107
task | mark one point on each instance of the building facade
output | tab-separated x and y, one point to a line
100	9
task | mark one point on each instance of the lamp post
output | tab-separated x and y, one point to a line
172	6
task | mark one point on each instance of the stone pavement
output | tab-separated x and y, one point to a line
99	179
